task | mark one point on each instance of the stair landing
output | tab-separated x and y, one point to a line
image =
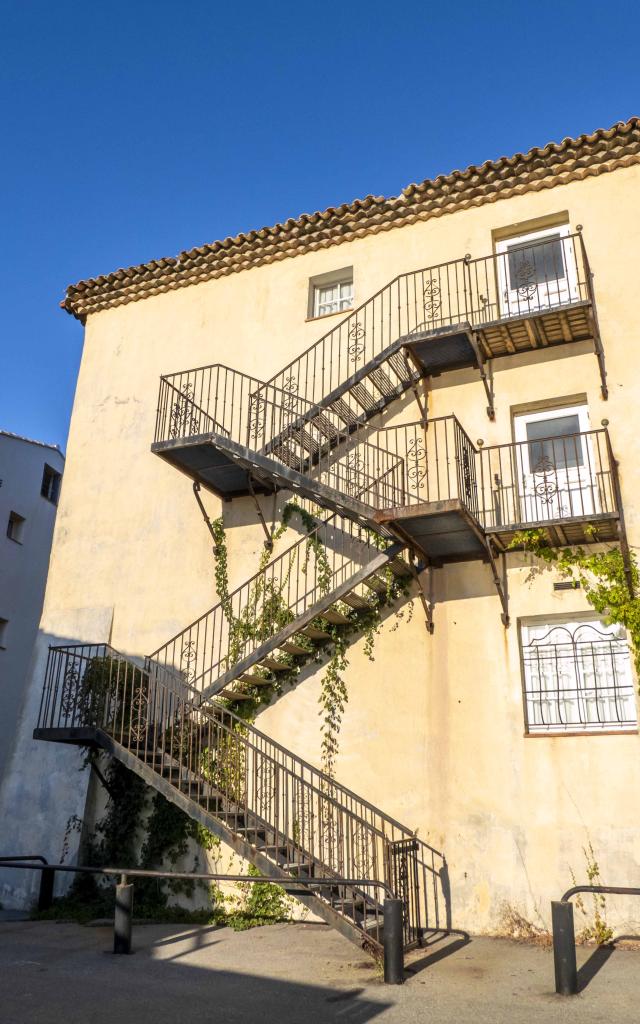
445	531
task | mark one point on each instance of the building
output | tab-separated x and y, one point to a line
30	478
434	373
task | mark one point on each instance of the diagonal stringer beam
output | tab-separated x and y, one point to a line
500	581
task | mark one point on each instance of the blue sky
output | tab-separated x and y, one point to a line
134	130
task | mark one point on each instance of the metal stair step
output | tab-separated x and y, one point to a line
344	411
292	648
399	567
254	680
405	373
356	601
383	383
235	695
324	426
375	583
306	441
274	666
316	634
333	615
363	397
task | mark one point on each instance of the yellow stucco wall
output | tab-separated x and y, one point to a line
433	732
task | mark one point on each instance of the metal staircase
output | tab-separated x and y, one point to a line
401	500
273	808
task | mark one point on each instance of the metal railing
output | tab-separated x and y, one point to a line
529	279
290	585
550	478
438	461
260	790
564	942
393	935
526	280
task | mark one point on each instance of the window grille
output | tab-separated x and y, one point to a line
577	678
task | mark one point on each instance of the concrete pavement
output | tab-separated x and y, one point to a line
55	973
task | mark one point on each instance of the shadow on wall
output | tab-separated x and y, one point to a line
43	787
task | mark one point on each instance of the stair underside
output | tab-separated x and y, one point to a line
226	468
442	530
562	532
538	329
265	864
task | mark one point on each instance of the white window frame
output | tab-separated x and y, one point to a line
338	304
545	491
574	678
519	299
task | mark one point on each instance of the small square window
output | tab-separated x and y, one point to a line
333	298
577	677
3	633
331	293
50	484
15	527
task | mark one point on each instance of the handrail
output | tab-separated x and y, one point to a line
564	943
616	890
218	756
392	943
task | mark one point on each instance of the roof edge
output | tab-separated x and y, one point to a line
554	164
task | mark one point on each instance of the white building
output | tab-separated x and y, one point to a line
30	478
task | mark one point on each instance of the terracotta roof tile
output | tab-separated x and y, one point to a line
554	164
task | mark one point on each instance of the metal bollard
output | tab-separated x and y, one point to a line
45	894
392	940
123	917
564	948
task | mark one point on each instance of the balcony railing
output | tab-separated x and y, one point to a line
550	479
530	280
537	277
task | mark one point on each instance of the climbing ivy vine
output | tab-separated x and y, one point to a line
266	611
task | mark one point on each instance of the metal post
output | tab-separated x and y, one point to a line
564	948
45	895
393	942
123	917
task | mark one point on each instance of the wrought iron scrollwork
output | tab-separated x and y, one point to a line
432	299
524	277
188	657
547	490
357	335
183	418
290	387
417	461
257	409
355	465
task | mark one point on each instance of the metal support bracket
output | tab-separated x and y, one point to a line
205	516
269	539
424	576
486	375
500	584
422	403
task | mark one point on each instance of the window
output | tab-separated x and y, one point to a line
331	293
564	453
15	527
577	677
559	467
50	484
537	270
3	633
